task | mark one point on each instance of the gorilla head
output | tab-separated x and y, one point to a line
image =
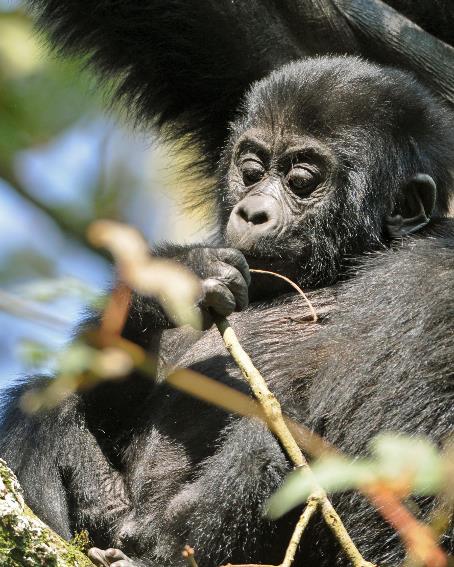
331	157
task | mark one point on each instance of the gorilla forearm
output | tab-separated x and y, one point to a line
183	76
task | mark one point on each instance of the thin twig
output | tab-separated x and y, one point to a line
418	538
308	512
294	285
116	311
278	426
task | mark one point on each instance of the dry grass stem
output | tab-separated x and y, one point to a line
308	512
294	285
116	311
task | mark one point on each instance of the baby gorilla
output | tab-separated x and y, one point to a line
327	159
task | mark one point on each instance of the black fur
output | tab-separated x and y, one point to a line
436	17
148	469
186	65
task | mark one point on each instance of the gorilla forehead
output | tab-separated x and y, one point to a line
328	96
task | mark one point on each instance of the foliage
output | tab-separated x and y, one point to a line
403	464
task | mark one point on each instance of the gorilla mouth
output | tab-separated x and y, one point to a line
268	253
276	264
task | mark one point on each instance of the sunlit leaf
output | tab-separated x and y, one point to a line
20	51
175	287
34	354
404	464
415	458
334	474
48	290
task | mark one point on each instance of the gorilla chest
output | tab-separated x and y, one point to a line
281	339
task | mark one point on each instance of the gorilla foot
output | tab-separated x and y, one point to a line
110	558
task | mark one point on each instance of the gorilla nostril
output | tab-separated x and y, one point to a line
241	212
253	217
259	217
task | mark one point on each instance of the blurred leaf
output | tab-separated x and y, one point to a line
40	95
20	52
334	474
77	358
174	286
413	457
34	354
25	263
404	464
80	366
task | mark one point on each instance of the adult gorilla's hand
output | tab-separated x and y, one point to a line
225	279
110	558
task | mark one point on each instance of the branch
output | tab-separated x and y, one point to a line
32	311
277	424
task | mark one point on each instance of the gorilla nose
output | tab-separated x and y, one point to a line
252	218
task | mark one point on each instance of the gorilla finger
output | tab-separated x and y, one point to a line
115	554
98	557
218	296
234	280
207	319
236	259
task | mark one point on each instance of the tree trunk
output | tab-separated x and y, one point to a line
25	541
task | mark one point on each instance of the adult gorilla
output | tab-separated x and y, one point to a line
187	64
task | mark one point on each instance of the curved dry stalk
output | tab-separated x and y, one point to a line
294	285
318	498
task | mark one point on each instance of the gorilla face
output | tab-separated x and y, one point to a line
282	187
326	161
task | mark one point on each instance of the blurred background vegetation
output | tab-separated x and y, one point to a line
65	160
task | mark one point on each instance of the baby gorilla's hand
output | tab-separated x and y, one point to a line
110	558
225	279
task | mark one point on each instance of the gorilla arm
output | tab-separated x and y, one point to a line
187	64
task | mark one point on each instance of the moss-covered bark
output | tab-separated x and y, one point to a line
25	541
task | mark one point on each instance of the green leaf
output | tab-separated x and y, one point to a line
412	461
413	457
333	473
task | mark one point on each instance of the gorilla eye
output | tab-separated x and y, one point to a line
252	171
302	179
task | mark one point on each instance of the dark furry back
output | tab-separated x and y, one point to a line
186	64
181	63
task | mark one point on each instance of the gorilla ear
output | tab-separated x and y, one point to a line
415	207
